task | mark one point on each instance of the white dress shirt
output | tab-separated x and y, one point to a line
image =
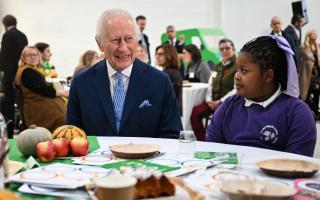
265	103
113	81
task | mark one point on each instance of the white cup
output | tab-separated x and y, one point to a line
115	187
187	143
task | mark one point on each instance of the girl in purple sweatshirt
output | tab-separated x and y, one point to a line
266	111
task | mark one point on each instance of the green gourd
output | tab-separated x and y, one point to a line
28	139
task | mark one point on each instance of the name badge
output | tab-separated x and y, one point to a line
48	79
191	75
214	74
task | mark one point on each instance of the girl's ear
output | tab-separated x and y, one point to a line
268	76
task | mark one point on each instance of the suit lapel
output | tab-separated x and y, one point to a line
102	85
136	84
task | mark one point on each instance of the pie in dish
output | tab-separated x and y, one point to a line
291	168
134	150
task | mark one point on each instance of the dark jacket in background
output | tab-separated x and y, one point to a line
294	42
176	80
12	43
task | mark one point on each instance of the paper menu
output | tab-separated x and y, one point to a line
97	158
60	175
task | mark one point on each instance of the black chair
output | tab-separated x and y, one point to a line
19	116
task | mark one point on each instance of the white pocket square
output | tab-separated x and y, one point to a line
145	103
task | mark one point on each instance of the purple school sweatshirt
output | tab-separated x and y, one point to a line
286	125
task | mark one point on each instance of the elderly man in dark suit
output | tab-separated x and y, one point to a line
12	43
122	96
293	31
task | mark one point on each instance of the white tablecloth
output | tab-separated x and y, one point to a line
247	157
192	96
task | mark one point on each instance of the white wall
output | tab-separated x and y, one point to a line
243	20
69	25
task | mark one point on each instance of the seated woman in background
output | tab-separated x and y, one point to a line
42	104
167	57
142	53
220	82
197	70
88	59
266	112
45	55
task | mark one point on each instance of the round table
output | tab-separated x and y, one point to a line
204	182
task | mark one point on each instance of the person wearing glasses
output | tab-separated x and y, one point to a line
167	57
41	102
221	84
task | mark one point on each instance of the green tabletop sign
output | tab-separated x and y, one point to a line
231	157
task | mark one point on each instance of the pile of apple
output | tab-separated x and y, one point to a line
60	147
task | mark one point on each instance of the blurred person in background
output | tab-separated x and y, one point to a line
12	43
41	102
88	59
309	76
142	53
178	44
221	84
197	70
167	57
45	53
144	40
293	33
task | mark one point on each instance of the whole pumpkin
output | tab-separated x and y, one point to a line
69	132
28	139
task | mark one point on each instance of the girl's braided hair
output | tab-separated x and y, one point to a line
265	52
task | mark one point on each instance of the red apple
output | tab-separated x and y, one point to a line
62	146
79	146
46	151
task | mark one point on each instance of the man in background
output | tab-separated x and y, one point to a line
171	33
12	43
293	31
144	40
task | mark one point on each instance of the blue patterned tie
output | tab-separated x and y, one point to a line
119	97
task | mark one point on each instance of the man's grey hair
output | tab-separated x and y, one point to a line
109	15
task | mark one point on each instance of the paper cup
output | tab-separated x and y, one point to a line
115	187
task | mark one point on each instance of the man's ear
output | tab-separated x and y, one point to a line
100	44
268	76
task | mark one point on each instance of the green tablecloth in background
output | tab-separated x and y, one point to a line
15	154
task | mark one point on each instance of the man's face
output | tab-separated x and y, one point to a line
142	24
171	32
276	25
299	23
46	55
120	42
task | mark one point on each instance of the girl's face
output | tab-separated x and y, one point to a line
160	58
248	78
186	56
46	55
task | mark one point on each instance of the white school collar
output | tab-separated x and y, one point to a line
265	103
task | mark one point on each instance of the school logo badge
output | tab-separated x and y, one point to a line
269	134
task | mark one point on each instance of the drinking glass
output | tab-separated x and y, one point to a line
187	143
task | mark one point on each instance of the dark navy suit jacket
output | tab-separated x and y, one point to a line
90	105
294	42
